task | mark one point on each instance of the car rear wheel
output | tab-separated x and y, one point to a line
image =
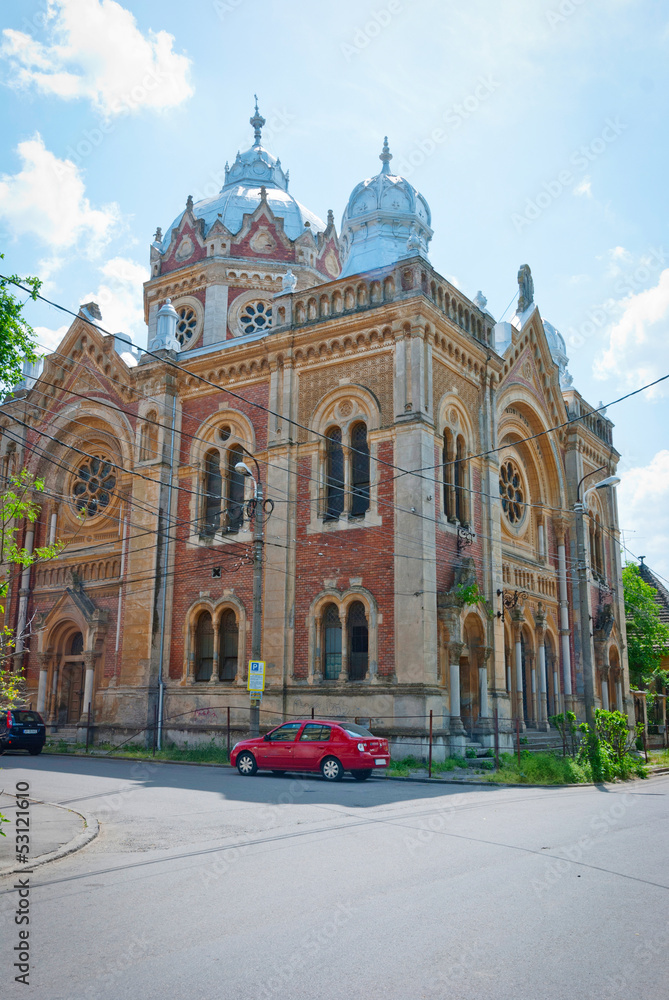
331	769
362	775
34	751
246	764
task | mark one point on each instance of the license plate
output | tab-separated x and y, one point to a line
380	760
29	732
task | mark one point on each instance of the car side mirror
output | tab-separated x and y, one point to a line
266	737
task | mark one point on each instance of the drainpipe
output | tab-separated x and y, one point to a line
161	682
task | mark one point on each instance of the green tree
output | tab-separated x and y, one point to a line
17	337
647	635
17	496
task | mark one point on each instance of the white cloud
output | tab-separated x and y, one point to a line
638	350
120	297
47	199
96	51
643	502
584	187
48	338
620	253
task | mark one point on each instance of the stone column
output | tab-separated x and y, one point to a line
518	660
564	617
543	701
43	659
455	651
343	673
214	679
620	705
89	662
53	709
542	714
484	706
605	690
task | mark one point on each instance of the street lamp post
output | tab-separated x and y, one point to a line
256	626
587	658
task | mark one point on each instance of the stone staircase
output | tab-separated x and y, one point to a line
539	740
65	734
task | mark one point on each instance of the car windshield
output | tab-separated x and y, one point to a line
24	717
354	730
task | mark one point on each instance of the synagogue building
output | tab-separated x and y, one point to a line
415	465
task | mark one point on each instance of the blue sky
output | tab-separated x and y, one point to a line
536	129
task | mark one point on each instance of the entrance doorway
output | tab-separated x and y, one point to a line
73	692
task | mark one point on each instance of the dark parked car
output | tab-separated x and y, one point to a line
22	729
314	745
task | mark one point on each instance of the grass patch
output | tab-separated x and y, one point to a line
659	757
203	753
540	769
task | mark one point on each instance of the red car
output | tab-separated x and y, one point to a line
313	745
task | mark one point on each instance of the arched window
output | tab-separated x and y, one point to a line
76	644
235	506
359	470
459	480
358	642
334	488
228	646
456	497
212	491
331	643
204	647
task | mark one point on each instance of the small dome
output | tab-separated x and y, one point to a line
241	193
557	346
385	220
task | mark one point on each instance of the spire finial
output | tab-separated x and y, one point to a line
385	156
257	122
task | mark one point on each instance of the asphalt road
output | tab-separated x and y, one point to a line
204	884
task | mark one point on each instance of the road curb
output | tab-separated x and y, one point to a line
379	777
89	833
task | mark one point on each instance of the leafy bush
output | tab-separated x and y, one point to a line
607	747
540	769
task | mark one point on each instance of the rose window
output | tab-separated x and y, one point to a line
93	486
186	325
512	492
256	316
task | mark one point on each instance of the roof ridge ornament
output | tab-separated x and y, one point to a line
525	289
257	121
385	156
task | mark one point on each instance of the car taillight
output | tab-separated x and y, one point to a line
10	720
361	746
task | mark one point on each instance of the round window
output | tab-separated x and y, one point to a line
94	483
255	316
512	492
186	325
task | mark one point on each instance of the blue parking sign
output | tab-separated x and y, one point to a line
256	679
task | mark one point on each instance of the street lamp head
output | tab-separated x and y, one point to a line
243	468
611	481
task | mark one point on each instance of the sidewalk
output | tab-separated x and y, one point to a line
54	832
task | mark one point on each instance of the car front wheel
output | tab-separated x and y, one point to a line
362	775
331	769
246	764
34	751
